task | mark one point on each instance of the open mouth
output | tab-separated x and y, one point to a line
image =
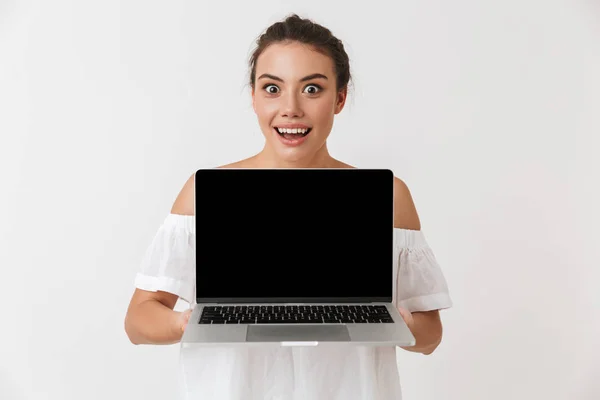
293	133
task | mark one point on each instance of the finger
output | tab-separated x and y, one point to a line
185	317
403	312
406	316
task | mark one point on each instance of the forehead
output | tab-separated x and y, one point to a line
293	60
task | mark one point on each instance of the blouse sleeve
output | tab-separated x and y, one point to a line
420	282
169	262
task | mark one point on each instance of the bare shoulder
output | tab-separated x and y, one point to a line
341	164
405	212
246	163
184	203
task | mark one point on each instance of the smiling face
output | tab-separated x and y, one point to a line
295	99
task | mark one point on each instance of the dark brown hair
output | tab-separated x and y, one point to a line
294	28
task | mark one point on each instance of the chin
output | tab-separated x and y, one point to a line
295	154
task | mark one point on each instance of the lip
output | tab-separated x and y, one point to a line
291	126
290	143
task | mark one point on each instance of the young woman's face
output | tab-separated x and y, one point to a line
295	99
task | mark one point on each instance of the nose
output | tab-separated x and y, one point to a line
291	107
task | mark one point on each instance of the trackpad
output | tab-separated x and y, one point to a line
297	333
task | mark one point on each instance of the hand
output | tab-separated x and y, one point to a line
183	319
408	318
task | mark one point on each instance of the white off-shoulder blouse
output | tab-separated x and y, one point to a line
290	373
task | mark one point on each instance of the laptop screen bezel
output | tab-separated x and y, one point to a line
300	300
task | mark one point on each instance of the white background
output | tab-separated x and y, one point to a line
489	111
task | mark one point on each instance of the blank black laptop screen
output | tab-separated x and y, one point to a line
304	235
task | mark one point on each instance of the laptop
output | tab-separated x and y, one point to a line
294	257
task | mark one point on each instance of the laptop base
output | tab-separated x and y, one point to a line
364	334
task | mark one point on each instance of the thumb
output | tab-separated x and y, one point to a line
407	316
184	318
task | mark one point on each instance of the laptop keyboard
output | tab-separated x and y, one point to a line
292	314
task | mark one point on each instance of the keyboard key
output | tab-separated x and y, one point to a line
296	314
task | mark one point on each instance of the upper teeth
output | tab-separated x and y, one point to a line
298	130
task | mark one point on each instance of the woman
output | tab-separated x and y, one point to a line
299	75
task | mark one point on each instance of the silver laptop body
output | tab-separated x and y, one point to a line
294	257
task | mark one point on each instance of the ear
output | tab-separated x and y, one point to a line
253	101
341	100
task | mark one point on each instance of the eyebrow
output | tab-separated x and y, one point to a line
306	78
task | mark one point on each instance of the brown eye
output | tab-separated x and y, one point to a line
271	89
312	89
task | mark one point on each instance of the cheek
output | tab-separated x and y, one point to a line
265	110
322	112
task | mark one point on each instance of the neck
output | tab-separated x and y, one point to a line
321	159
